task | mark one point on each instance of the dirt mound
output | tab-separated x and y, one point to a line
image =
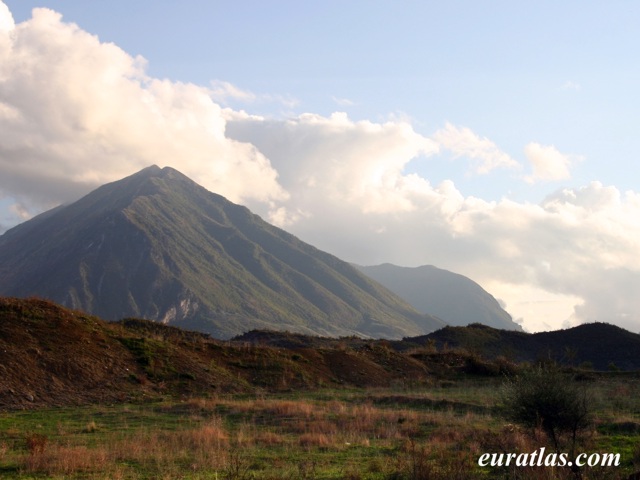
50	355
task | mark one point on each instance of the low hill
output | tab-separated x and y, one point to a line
598	346
50	355
602	346
156	245
456	299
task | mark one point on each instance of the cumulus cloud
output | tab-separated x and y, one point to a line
463	142
354	163
6	19
548	163
76	113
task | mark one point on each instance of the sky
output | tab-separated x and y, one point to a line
495	139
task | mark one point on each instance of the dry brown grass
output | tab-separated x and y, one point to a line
227	437
65	460
4	448
269	439
316	440
287	408
202	448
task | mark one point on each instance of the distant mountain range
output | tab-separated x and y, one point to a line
158	246
454	298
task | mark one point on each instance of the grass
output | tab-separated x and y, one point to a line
431	433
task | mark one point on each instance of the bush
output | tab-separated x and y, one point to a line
544	397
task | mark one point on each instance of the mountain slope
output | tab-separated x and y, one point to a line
454	298
157	245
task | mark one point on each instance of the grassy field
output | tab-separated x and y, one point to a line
436	432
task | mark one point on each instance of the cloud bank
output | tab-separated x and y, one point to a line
76	113
349	194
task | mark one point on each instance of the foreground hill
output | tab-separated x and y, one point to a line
158	246
50	355
456	299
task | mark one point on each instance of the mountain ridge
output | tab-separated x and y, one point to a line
456	299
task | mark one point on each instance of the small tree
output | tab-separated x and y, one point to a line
547	398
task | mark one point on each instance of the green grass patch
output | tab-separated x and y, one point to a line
379	434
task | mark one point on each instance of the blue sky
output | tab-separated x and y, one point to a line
516	123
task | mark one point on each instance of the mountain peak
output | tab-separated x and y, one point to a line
154	171
151	170
147	173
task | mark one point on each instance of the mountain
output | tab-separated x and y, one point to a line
454	298
158	246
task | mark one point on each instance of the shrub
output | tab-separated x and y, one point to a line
545	398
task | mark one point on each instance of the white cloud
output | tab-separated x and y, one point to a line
20	211
570	85
6	19
548	163
357	163
463	142
286	101
343	102
543	310
221	91
349	177
75	113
